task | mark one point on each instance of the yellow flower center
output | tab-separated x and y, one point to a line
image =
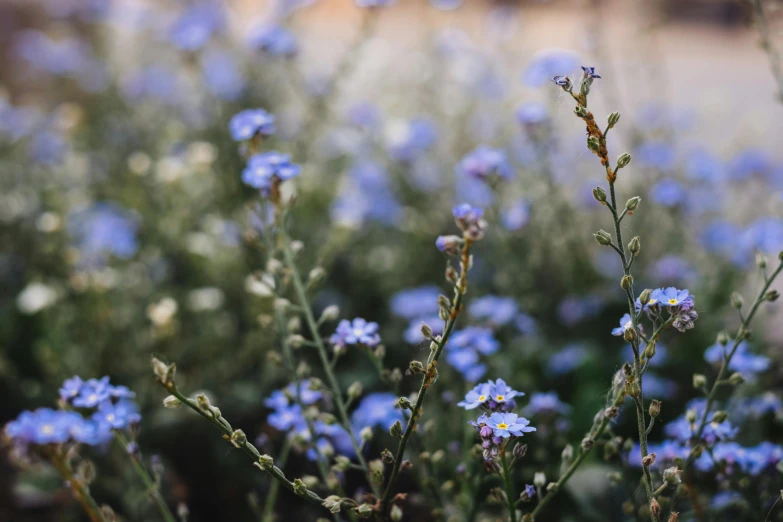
482	398
652	301
500	398
48	429
672	301
502	426
110	417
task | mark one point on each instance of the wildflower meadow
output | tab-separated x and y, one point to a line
312	260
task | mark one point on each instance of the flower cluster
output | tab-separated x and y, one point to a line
266	170
98	409
356	332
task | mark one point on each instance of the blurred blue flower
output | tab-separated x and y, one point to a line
103	229
668	193
358	331
416	302
748	163
154	82
251	122
274	40
532	113
726	499
47	147
546	404
575	309
483	163
515	215
625	324
196	25
446	5
526	324
568	359
366	194
672	268
374	3
263	170
287	418
120	415
413	333
494	309
409	140
42	426
744	361
377	410
547	63
482	340
222	75
364	114
466	362
702	165
657	155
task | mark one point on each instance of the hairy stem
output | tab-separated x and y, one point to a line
79	489
512	511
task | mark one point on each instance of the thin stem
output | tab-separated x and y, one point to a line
512	512
274	488
769	47
79	489
145	477
224	427
431	372
323	355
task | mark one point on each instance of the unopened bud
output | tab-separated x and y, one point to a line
364	511
203	402
567	453
655	508
416	367
632	204
674	517
86	471
266	462
396	513
626	282
587	444
761	260
672	476
635	246
164	372
599	194
613	119
623	160
603	238
699	381
723	338
520	450
386	456
295	341
648	460
539	479
736	379
315	276
736	300
593	143
644	297
366	434
238	438
772	295
426	331
655	408
719	416
172	402
405	403
332	503
630	335
330	313
355	390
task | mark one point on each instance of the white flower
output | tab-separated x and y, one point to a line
35	297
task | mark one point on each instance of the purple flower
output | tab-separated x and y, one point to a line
589	72
263	170
515	215
470	220
561	81
448	244
250	123
358	331
289	418
626	323
483	163
101	230
505	425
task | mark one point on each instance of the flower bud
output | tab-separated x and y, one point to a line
603	238
772	296
655	508
699	381
451	275
632	204
593	143
315	276
635	246
330	313
613	119
736	300
355	390
203	402
672	476
396	513
626	282
164	372
332	503
238	438
719	416
266	462
539	479
736	379
623	160
299	487
520	450
599	194
580	111
587	444
86	471
630	335
674	517
364	511
649	351
655	408
644	297
366	434
295	341
567	454
690	416
761	260
426	331
416	367
405	403
172	402
648	460
386	456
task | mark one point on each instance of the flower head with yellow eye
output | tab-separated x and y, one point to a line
477	396
505	425
672	297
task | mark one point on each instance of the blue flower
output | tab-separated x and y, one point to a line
567	359
118	416
673	268
265	169
250	123
93	393
274	40
748	163
505	425
743	361
358	331
287	418
626	323
481	340
561	81
374	3
502	393
413	333
483	163
196	26
515	215
466	361
546	403
479	395
668	193
103	229
726	499
407	141
672	297
494	309
90	432
71	388
657	155
222	75
377	409
42	426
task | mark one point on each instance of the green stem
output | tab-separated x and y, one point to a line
512	511
145	477
225	428
271	498
769	47
431	371
323	355
79	490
